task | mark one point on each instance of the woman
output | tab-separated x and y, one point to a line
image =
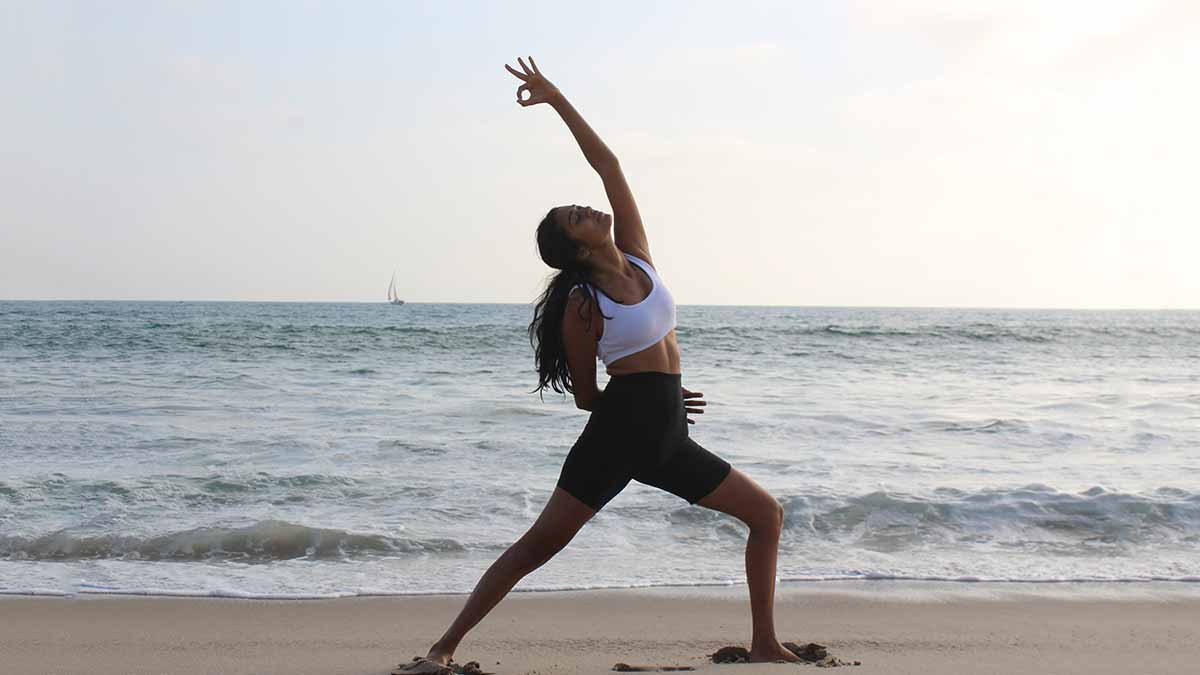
608	301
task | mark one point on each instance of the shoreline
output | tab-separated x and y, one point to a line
977	627
898	590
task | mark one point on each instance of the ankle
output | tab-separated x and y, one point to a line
758	644
442	648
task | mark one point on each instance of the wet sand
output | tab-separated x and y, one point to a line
891	627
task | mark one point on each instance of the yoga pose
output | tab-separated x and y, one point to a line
608	301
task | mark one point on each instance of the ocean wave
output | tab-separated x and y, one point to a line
59	488
992	426
961	332
1032	517
264	541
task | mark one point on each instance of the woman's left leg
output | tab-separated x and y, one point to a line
742	498
697	475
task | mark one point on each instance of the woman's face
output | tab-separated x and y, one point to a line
584	224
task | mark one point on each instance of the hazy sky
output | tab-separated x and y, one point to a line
918	153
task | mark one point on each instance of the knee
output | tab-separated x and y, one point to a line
535	548
770	518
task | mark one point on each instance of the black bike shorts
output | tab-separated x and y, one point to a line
638	430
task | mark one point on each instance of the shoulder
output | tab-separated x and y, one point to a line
580	309
580	302
578	294
640	256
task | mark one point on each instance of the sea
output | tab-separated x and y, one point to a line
311	450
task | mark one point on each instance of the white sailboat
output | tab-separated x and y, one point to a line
393	297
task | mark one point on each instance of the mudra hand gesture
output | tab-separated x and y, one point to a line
540	89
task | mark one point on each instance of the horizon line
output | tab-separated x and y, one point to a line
781	306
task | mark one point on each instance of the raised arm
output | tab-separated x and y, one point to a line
628	233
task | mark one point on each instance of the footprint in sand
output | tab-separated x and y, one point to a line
812	653
626	668
423	666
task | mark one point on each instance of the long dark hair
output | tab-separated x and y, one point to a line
545	331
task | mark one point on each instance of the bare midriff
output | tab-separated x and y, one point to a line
660	357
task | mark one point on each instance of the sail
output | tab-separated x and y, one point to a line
393	296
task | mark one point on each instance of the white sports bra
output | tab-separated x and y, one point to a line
633	328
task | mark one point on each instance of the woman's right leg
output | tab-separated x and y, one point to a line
561	518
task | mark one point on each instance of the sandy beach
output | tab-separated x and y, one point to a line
891	627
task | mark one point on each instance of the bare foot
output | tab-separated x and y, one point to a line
773	654
420	666
436	663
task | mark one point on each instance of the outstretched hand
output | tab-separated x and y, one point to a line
695	405
540	89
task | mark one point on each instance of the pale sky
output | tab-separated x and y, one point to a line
915	153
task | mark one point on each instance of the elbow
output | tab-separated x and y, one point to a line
607	164
586	402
